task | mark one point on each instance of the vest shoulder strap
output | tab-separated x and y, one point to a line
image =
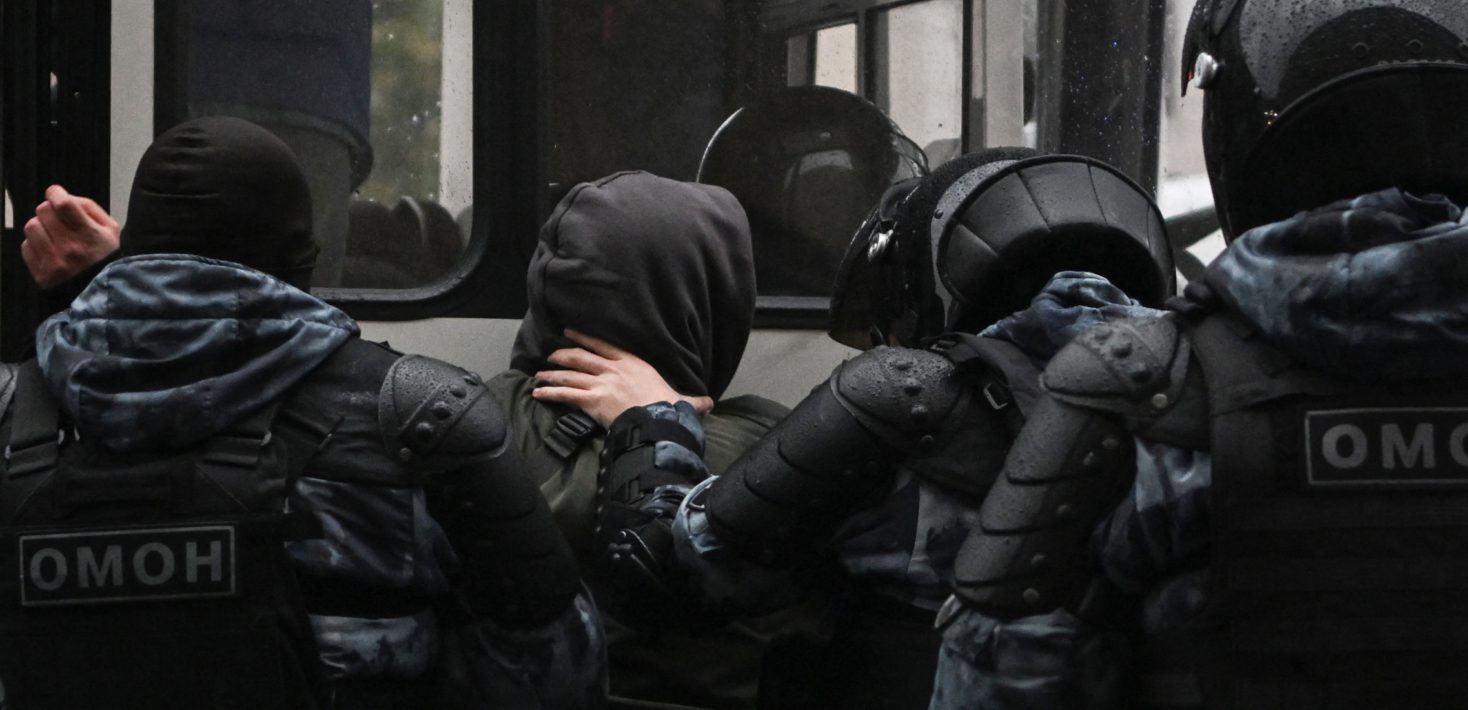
1007	378
34	447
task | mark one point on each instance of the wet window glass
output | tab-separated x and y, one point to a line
374	99
918	55
835	57
800	59
1183	177
632	85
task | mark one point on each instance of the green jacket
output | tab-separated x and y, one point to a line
714	668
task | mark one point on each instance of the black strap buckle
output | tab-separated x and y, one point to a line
637	427
570	432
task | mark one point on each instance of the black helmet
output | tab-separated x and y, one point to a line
807	163
980	237
1310	102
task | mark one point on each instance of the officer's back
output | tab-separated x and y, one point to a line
217	495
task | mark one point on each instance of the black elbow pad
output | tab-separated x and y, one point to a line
835	453
441	421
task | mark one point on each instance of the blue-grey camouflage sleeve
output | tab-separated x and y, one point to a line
725	583
561	664
1052	661
1058	661
647	572
1157	529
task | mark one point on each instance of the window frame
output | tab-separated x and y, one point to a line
775	25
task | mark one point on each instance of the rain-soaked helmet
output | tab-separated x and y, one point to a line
807	163
1309	102
980	237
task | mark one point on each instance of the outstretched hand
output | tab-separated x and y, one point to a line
68	234
604	380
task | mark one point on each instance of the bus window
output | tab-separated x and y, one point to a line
631	85
416	199
835	57
375	100
131	119
1183	192
918	56
800	59
824	57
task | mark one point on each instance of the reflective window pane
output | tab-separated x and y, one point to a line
799	59
836	57
1182	183
918	53
632	86
370	96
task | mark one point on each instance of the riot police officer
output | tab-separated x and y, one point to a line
879	471
1276	467
217	495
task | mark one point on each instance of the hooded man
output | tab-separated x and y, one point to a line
662	269
208	410
879	473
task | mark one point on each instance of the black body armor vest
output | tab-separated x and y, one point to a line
1340	511
156	579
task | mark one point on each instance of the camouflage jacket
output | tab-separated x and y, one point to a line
163	351
1363	288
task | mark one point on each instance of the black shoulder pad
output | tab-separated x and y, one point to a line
438	414
1135	368
898	394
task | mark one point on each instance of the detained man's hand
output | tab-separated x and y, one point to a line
68	234
604	381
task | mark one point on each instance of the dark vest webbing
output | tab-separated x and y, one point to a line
1003	374
1340	512
570	432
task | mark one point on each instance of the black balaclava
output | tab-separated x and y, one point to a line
660	268
223	188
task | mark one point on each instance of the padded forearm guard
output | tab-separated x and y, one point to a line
1074	461
1068	468
632	576
519	571
834	454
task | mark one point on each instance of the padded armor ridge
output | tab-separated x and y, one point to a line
787	493
1028	553
834	452
441	421
899	395
437	414
1137	368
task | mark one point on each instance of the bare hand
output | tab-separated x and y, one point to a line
604	381
67	235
